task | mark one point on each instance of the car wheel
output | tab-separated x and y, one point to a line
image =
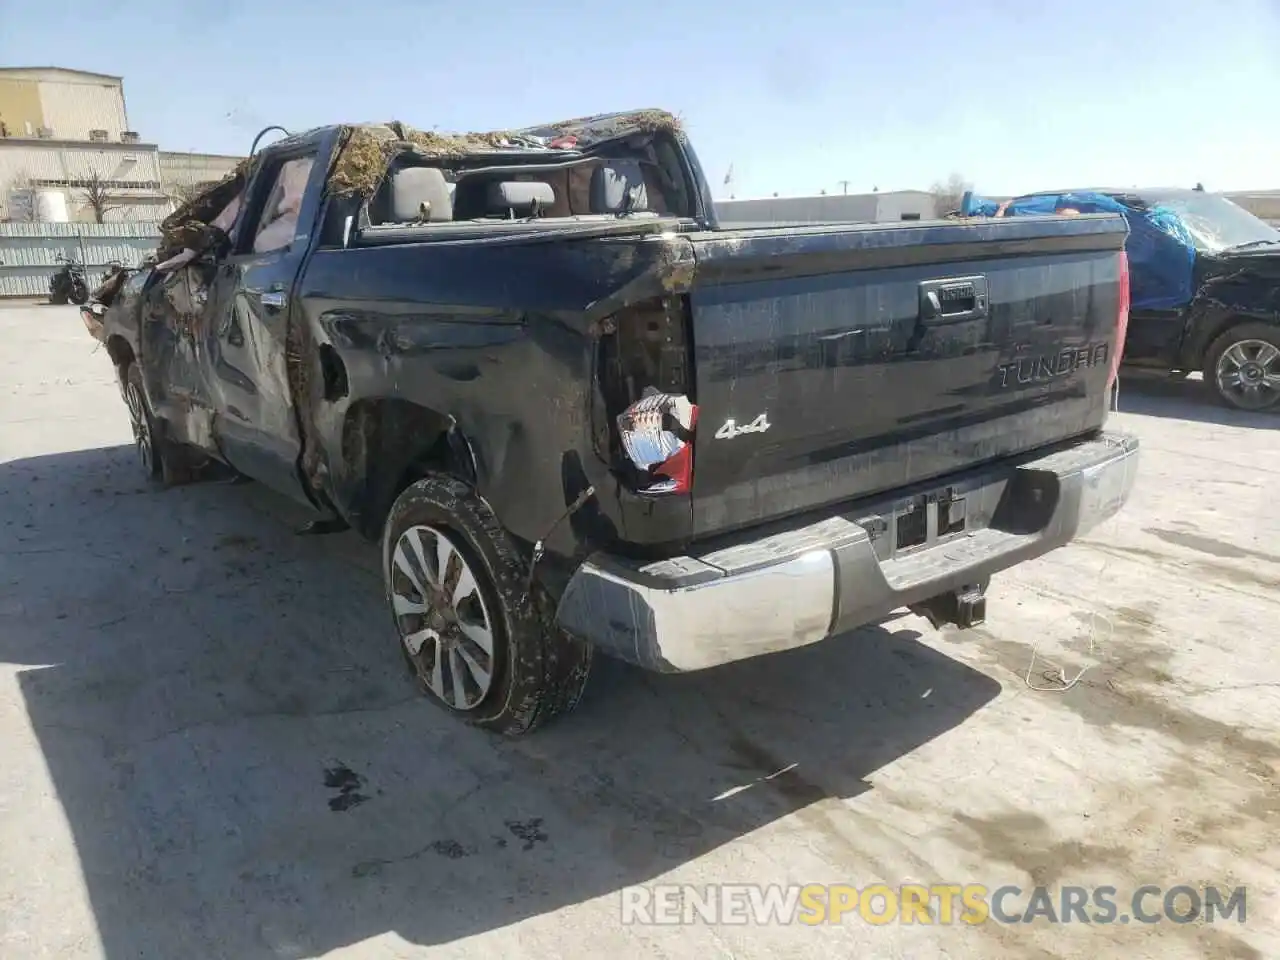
469	629
79	294
142	422
162	460
1243	367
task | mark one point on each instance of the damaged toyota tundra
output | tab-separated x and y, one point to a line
579	416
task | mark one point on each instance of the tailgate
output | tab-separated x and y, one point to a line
842	361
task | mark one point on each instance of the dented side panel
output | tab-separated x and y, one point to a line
1231	289
489	352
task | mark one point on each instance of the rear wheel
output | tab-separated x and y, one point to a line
1243	367
469	629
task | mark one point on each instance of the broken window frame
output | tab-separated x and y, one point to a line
660	151
259	193
270	215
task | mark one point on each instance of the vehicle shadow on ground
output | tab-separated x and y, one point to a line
1155	396
248	771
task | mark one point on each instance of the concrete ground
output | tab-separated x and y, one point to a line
210	748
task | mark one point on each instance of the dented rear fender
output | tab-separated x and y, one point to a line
424	351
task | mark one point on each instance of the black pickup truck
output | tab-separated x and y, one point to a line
579	415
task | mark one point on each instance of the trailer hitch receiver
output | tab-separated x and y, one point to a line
965	607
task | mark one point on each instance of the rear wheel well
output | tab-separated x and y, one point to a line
390	444
1211	335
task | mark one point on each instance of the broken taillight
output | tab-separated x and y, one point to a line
657	436
1122	320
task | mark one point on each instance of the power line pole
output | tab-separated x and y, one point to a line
844	186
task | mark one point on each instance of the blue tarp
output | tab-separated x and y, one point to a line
1162	254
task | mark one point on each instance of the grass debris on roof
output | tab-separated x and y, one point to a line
451	144
361	161
188	226
595	129
368	149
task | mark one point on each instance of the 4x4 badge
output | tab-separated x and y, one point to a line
731	429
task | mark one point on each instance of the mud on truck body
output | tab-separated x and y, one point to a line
578	415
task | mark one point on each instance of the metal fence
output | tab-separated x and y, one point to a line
28	251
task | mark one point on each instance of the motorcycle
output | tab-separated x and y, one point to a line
93	311
69	283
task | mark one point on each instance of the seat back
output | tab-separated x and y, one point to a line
611	184
420	193
519	198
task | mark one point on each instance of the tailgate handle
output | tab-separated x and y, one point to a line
953	299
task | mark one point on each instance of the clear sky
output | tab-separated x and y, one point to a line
796	95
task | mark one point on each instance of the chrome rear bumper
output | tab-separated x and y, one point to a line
799	586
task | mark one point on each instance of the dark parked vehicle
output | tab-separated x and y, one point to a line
1206	286
578	415
69	283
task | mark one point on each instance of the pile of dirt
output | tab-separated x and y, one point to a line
367	151
592	130
361	160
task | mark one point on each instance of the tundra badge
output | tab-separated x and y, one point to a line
1052	366
731	429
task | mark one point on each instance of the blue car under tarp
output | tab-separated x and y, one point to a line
1162	253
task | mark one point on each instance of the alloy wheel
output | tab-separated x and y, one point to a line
1248	374
443	620
142	439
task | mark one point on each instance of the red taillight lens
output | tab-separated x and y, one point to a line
1122	319
657	436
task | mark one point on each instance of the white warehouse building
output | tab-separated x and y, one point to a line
889	207
67	152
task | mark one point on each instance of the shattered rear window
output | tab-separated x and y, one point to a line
368	151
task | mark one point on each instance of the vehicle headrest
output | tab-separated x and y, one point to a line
519	197
612	181
411	187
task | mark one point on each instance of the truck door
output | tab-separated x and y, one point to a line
255	418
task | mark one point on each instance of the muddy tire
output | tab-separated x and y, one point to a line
476	642
163	462
1242	367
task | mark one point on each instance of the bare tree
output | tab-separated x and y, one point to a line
97	196
947	195
180	193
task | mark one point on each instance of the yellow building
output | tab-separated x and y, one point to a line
50	103
67	152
